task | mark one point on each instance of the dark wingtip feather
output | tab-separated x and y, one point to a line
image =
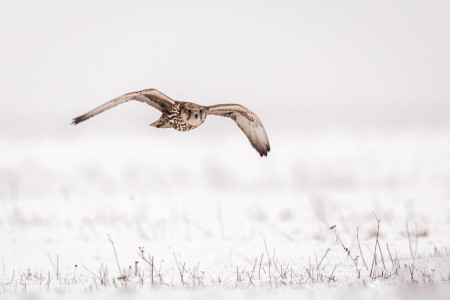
77	120
263	152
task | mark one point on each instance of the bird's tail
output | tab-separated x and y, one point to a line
160	123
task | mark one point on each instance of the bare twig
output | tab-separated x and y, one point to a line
152	272
417	239
260	262
179	269
309	276
92	273
409	240
390	256
268	257
323	257
53	265
331	277
374	260
360	251
253	270
115	254
333	228
382	257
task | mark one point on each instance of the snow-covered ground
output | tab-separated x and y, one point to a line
208	212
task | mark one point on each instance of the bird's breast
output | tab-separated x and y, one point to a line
178	123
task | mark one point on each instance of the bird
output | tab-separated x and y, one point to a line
185	116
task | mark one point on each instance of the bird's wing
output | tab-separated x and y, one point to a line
150	96
249	123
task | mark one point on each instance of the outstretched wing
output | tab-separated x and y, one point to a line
150	96
246	120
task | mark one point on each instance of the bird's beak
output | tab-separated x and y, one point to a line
196	115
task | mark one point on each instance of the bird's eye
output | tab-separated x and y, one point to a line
189	111
201	111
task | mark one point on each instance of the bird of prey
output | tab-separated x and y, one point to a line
184	116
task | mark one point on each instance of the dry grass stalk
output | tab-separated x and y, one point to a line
360	251
354	260
115	254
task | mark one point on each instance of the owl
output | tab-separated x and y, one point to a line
185	116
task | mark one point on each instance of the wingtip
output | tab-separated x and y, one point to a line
76	120
263	152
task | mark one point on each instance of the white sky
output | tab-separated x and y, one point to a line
315	63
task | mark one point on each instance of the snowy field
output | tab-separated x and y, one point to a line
225	219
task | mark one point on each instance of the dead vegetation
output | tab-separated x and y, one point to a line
265	270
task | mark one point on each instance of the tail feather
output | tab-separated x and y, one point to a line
160	123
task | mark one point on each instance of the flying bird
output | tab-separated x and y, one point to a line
184	116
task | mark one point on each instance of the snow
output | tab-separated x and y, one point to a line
354	98
219	211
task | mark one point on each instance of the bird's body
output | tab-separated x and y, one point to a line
182	117
185	116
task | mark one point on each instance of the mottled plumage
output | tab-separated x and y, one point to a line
184	116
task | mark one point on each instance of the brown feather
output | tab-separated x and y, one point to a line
247	121
152	97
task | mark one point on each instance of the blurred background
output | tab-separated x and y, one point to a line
354	96
301	65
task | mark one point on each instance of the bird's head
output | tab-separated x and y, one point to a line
194	114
